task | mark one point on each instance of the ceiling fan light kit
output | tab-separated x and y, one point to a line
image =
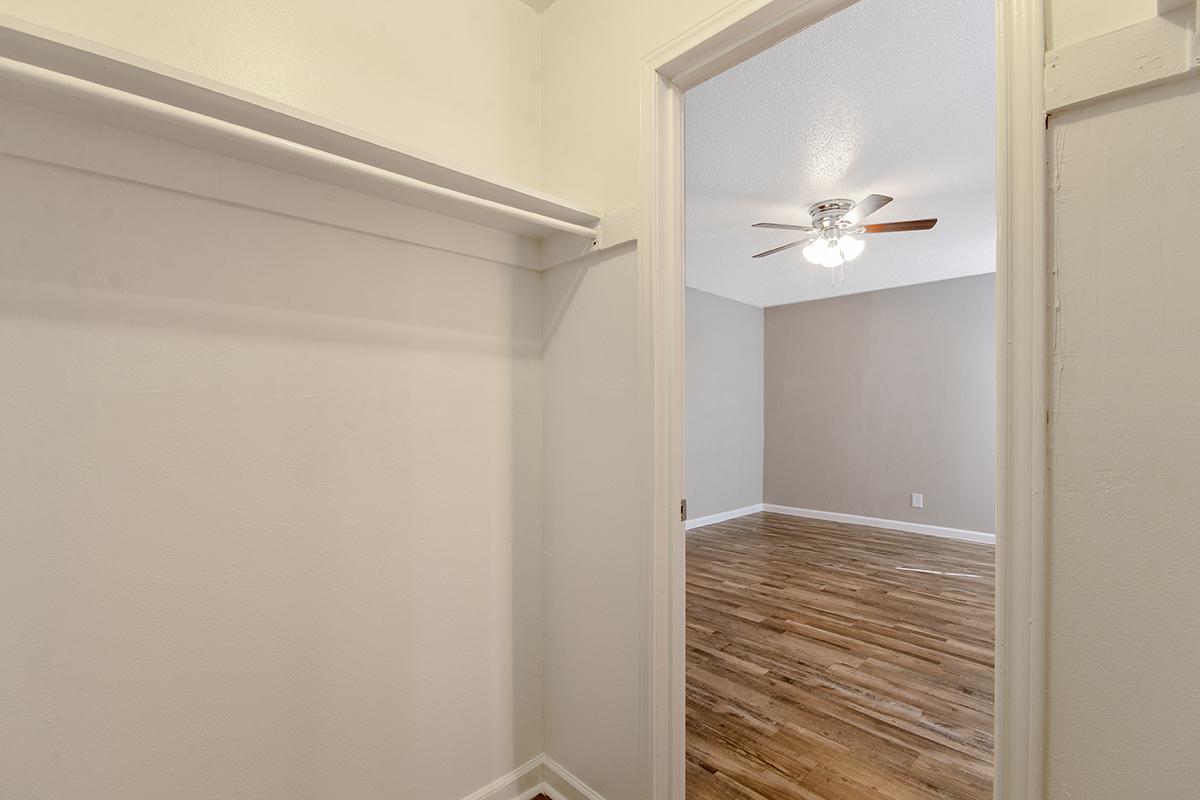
832	239
833	252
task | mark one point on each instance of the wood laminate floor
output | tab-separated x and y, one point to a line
829	661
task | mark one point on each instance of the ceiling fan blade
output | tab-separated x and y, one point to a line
780	226
865	208
897	227
774	250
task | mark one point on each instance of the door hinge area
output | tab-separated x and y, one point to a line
683	510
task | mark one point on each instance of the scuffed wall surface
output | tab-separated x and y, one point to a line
1124	707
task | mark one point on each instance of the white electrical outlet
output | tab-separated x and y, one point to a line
918	500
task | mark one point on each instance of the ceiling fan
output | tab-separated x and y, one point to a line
831	239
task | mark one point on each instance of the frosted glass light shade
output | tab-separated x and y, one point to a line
814	252
851	248
833	253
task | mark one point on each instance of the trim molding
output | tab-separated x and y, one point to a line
722	516
1160	49
744	28
1022	437
885	524
539	775
121	89
36	136
522	783
560	784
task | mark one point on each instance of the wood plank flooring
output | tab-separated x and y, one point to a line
829	661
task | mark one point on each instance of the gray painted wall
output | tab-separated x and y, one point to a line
724	435
871	397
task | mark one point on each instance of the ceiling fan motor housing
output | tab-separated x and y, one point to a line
827	214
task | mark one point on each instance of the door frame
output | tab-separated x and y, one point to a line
1022	317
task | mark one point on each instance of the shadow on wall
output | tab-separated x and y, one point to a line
262	274
278	508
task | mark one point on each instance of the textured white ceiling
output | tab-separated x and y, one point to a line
895	97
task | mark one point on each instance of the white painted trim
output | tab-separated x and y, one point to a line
539	775
560	784
1022	316
522	783
660	325
615	230
124	90
1160	49
979	537
740	31
34	135
713	519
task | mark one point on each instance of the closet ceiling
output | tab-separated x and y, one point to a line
895	97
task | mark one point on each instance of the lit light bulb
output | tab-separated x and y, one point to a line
814	252
832	258
851	248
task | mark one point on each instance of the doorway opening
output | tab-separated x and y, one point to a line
923	553
840	406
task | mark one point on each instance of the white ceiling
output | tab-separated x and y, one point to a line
895	97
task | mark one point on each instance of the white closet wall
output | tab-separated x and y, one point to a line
598	553
271	456
594	541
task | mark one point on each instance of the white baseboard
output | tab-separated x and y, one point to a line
522	783
539	775
888	524
560	784
713	519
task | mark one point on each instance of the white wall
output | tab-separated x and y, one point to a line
278	440
1071	21
594	550
274	449
458	80
723	435
590	57
271	516
1123	610
596	650
1125	555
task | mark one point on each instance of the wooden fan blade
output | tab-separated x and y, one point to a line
865	208
780	226
774	250
897	227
